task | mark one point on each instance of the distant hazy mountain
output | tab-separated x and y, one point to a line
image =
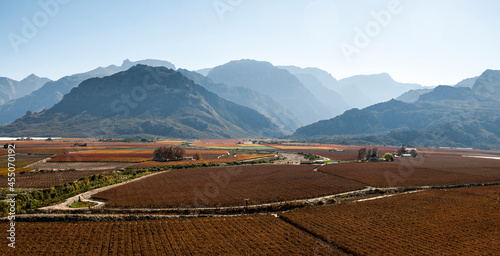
11	89
274	82
149	62
469	82
203	71
52	92
446	116
324	77
7	89
322	85
168	104
448	93
281	116
412	95
488	84
365	90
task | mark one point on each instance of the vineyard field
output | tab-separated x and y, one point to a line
489	191
246	235
20	161
226	186
435	222
47	179
208	160
80	166
387	174
456	163
125	155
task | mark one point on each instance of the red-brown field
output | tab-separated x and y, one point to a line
208	160
338	155
387	174
225	186
455	163
47	179
489	191
80	166
424	223
246	235
125	155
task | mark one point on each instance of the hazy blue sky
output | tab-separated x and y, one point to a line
427	42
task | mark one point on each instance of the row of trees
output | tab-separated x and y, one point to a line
364	153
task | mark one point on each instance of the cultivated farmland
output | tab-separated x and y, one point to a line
386	174
205	160
80	166
47	179
125	155
247	235
226	186
424	223
456	163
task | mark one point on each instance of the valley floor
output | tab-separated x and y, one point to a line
442	202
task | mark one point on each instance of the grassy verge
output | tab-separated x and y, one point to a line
26	201
81	204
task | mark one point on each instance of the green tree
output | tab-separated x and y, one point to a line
389	157
197	156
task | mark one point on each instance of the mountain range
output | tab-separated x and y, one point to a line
144	100
248	98
322	85
365	90
280	115
11	89
53	91
276	83
445	116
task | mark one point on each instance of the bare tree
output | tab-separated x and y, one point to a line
169	153
361	153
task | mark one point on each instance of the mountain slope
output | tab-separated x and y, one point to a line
488	84
365	90
323	94
412	95
7	89
274	82
265	105
144	100
324	77
52	92
447	116
11	89
469	82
